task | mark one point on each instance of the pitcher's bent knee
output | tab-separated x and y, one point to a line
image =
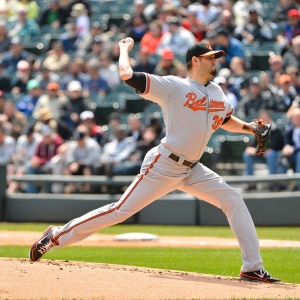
233	200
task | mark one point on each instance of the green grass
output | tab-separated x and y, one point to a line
283	263
278	233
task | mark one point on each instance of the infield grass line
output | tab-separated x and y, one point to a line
273	233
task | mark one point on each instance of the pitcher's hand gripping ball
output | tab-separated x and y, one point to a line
262	131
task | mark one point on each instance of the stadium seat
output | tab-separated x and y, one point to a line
102	113
134	103
232	148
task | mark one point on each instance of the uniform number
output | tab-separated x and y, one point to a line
217	122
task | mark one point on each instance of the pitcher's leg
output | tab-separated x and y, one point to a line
145	189
210	187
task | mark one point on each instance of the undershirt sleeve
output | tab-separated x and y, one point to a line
226	120
137	81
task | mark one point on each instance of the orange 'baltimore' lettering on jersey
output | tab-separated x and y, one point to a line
215	105
195	104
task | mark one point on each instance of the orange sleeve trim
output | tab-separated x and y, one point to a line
147	84
229	114
113	209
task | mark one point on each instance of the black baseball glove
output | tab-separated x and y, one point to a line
262	131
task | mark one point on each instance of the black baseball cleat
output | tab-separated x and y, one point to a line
258	276
43	245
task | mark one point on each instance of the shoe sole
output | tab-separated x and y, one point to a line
257	280
44	234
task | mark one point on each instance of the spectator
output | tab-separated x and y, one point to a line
143	63
23	27
255	30
279	14
7	9
53	100
45	76
83	157
58	164
168	65
75	106
7	147
87	118
137	10
15	119
22	76
154	122
5	85
177	38
291	28
25	149
270	156
253	101
268	89
31	6
108	70
137	29
207	13
114	121
46	149
73	2
97	48
275	68
241	9
115	52
4	38
293	72
75	74
70	37
116	151
168	11
55	15
226	73
57	60
2	101
84	45
193	24
96	84
284	96
80	13
151	10
133	164
139	7
290	152
14	55
232	47
27	103
292	56
225	20
222	82
239	78
45	117
134	127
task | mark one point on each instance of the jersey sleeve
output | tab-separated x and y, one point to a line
158	88
230	111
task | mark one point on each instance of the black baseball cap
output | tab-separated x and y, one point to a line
202	49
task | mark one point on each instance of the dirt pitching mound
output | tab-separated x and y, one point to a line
22	279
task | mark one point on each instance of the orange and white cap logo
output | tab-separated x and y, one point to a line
209	46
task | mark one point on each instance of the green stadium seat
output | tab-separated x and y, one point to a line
134	103
232	148
103	111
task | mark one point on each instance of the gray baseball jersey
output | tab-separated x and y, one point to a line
191	111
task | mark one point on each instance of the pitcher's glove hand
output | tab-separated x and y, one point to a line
262	131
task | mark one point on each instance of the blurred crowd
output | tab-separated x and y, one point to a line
48	121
